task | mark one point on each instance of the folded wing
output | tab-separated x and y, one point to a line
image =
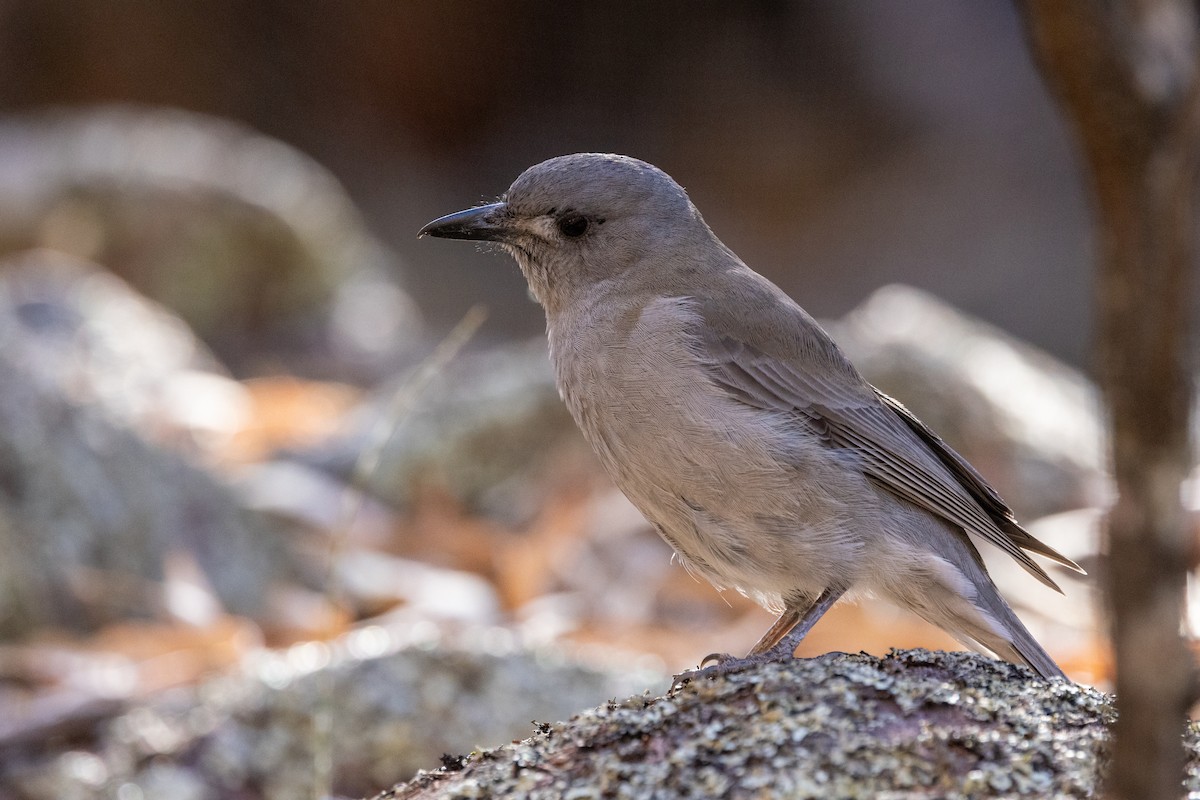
894	448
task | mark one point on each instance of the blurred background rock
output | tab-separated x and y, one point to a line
211	290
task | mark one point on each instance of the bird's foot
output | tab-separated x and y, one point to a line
722	664
718	658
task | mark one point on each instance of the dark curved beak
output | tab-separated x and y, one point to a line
484	223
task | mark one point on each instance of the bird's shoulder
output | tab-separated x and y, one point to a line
756	338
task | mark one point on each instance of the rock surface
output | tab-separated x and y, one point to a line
916	724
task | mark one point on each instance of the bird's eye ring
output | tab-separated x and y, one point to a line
573	225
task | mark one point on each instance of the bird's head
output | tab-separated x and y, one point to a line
578	221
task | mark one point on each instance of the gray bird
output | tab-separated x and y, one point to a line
735	424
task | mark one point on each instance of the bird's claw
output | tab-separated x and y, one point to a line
717	659
721	664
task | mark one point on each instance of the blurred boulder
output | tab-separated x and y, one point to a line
485	432
80	331
255	245
1029	423
105	402
394	701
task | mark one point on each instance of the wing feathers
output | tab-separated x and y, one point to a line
974	482
896	449
892	464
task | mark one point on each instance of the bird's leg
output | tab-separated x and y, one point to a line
787	620
779	642
791	615
785	646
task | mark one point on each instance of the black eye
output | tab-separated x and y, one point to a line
572	225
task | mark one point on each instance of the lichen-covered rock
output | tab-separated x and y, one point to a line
916	724
103	394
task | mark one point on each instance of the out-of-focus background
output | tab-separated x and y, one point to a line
836	147
211	297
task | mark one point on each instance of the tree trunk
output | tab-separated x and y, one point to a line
1126	73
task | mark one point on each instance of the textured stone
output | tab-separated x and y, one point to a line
914	724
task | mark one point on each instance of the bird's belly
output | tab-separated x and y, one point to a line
713	477
747	497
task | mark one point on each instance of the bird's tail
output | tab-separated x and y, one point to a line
972	610
1018	645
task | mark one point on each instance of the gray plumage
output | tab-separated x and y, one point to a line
735	424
